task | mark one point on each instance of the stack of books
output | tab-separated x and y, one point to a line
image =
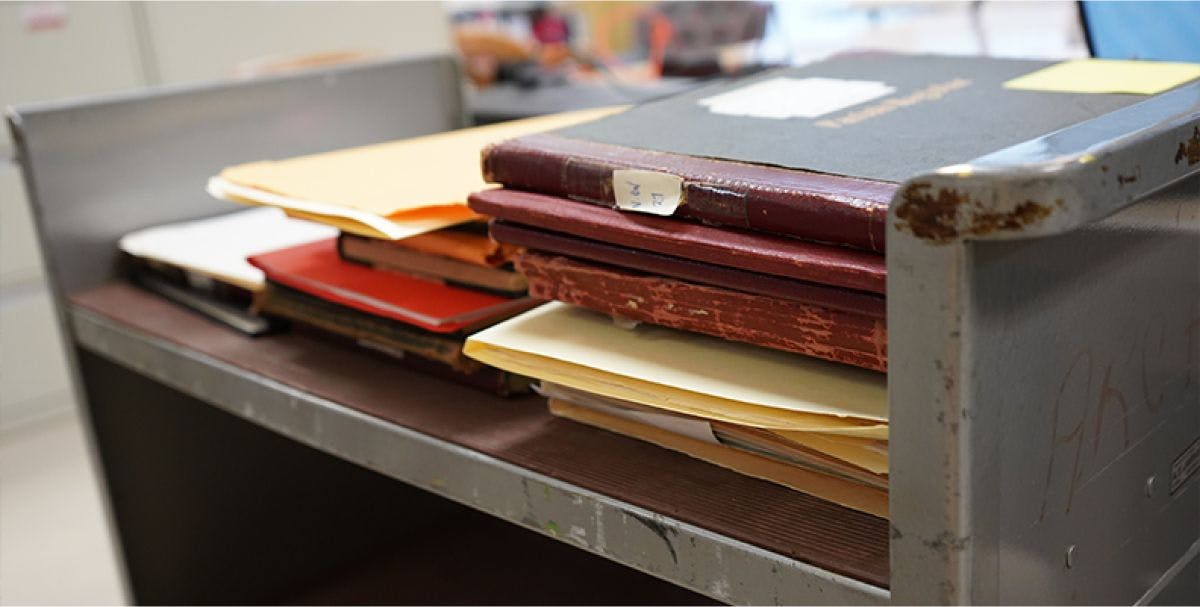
722	253
373	245
715	260
412	271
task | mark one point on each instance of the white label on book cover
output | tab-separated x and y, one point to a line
647	191
784	97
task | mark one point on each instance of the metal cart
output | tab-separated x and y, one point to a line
1044	312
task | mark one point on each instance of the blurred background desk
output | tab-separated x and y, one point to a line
510	101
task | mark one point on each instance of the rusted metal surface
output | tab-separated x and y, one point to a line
1060	181
1189	150
1044	324
937	217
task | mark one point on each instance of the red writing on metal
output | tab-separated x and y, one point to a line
1096	392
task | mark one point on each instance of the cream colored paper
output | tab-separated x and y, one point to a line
687	426
418	181
868	454
837	490
686	372
218	247
1107	76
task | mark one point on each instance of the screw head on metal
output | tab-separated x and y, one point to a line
1070	561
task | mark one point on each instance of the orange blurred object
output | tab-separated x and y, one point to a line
283	64
484	49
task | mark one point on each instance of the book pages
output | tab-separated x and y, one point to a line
389	190
218	247
687	372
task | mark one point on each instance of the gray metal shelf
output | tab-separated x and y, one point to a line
716	565
1044	363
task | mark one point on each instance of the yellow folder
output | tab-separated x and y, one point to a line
389	190
687	373
868	455
848	493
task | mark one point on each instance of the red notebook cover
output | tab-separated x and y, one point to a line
763	253
316	269
765	153
782	324
668	266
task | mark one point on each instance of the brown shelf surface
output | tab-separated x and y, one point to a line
521	432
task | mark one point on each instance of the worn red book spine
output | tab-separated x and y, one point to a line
836	335
638	260
742	249
811	206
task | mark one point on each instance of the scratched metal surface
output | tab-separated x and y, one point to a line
1058	182
718	566
1044	308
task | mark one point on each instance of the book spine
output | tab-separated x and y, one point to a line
390	256
835	335
488	379
813	294
835	210
358	325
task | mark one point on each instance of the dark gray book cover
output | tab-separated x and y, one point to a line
815	151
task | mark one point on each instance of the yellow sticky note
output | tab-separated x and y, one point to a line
1107	76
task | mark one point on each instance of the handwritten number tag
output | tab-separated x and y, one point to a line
647	191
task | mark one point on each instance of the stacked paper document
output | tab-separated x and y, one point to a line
740	228
412	269
813	425
389	190
373	245
216	248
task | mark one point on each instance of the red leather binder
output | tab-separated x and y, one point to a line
824	296
803	151
741	249
316	269
842	336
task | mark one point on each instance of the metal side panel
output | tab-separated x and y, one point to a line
99	168
715	565
1097	334
1044	310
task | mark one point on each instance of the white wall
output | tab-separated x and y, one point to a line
206	40
56	50
93	50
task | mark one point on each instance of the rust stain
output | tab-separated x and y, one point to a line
934	217
929	216
1190	149
1026	213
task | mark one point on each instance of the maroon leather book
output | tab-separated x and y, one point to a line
813	206
688	270
728	247
813	152
784	324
